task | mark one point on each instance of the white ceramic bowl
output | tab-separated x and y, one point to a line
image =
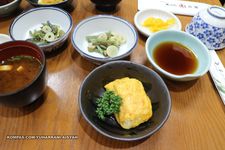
4	38
33	19
142	15
99	24
9	8
190	41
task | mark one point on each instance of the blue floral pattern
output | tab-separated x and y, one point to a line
211	40
212	37
216	45
223	41
200	36
218	34
196	25
191	27
204	25
208	32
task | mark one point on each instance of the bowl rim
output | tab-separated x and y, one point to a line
6	37
138	65
42	8
168	74
43	65
106	59
11	3
139	13
46	5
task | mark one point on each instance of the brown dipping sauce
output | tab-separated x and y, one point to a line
4	2
175	58
17	72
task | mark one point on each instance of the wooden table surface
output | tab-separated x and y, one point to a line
196	122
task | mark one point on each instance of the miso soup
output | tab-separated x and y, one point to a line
17	72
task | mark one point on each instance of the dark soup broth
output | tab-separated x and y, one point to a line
175	58
17	72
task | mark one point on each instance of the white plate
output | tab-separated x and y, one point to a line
4	38
141	16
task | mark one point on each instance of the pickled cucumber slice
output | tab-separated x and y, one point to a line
49	37
112	51
46	29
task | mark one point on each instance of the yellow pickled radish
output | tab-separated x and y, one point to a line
157	24
170	21
148	22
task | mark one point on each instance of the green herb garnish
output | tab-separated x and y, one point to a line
108	104
16	58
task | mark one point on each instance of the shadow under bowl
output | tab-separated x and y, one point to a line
93	87
33	90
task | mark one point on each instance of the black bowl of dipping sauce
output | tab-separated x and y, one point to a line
106	5
21	57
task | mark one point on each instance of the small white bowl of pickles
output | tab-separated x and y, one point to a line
150	21
104	38
42	26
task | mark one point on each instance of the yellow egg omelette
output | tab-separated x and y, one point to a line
136	106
